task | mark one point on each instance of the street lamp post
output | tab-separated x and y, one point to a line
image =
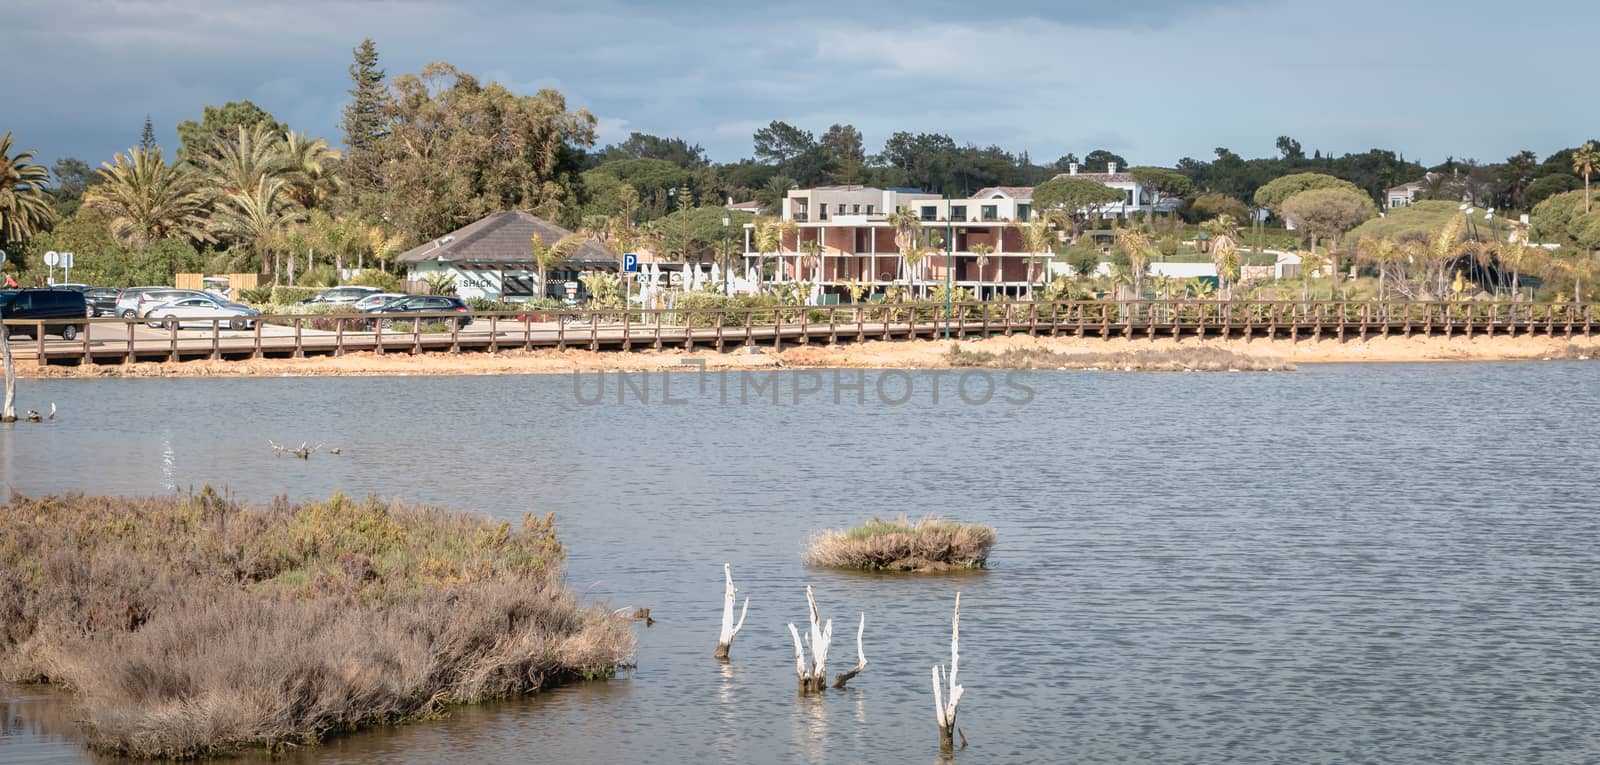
727	220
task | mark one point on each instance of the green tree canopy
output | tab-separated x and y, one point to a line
1273	195
1073	196
363	123
455	149
645	146
1329	212
1549	186
222	123
1168	183
1561	220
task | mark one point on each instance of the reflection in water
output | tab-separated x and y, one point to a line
1337	565
810	726
169	462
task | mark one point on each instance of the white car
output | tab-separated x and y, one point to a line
373	301
199	312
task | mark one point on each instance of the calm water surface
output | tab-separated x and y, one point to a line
1342	564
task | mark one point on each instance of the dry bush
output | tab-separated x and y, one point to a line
192	626
1188	359
929	544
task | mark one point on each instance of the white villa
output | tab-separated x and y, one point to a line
850	225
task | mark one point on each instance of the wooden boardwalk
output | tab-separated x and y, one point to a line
115	340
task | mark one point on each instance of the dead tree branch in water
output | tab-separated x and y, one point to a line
729	629
946	713
303	451
861	657
813	676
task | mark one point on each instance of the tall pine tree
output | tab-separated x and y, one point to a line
364	118
147	138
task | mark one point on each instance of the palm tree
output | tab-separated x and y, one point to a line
813	250
24	208
1381	253
981	252
307	166
907	227
1136	245
257	219
382	245
1586	162
1038	236
236	165
768	238
1224	231
548	256
147	199
786	230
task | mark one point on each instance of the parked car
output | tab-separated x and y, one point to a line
74	286
341	296
374	300
102	300
128	300
152	298
412	304
67	305
200	311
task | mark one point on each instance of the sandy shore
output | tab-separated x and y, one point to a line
918	354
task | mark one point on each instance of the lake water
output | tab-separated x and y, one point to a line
1380	563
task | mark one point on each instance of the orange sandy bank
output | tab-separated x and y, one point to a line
914	354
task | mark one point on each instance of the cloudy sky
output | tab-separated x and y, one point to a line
1153	80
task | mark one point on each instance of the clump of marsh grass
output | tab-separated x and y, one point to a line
1186	359
929	544
193	626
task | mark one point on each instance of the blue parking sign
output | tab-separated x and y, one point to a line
630	262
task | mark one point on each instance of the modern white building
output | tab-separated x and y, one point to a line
842	236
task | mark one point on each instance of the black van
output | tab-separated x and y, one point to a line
46	304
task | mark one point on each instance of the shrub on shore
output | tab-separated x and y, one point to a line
192	626
929	544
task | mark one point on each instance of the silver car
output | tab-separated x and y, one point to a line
373	301
341	296
200	312
134	301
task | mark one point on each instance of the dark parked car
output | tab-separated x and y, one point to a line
411	304
102	300
67	305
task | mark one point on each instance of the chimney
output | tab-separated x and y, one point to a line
1072	168
1111	167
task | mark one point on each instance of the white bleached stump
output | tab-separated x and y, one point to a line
8	409
729	629
861	657
813	674
945	712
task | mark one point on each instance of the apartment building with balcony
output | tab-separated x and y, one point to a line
842	236
848	229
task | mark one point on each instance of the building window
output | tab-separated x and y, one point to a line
991	212
855	209
839	209
1023	211
958	212
929	212
1128	197
869	209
